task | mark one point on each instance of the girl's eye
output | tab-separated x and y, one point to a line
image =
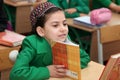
65	24
55	25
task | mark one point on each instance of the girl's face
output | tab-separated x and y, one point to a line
56	28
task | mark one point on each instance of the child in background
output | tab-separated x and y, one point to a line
72	8
112	4
3	17
34	62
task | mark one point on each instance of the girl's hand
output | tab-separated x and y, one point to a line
114	7
57	71
71	10
82	14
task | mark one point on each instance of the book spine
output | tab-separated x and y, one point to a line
5	43
10	43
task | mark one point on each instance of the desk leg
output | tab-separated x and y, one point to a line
100	48
93	48
96	52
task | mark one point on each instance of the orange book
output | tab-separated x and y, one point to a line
112	69
10	38
69	56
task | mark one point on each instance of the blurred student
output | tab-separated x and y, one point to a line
3	17
72	8
34	62
112	4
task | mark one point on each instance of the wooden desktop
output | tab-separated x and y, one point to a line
92	72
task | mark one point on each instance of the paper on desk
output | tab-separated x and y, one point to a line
84	20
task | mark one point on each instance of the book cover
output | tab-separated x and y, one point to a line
85	21
112	69
69	56
10	38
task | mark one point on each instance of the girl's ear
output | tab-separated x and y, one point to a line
40	31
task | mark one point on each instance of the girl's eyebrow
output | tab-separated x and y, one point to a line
58	21
54	22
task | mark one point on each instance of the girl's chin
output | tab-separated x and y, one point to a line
58	40
61	40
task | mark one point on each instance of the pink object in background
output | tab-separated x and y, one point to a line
100	16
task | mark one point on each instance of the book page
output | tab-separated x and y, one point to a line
85	19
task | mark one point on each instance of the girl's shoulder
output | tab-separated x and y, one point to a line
35	39
31	38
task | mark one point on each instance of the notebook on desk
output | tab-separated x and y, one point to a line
85	21
11	38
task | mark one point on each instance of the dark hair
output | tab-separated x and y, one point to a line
43	18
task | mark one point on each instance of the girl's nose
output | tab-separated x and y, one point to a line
62	28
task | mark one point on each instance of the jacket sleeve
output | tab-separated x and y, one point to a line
76	14
82	7
84	58
22	70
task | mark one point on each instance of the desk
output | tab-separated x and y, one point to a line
92	72
109	48
5	63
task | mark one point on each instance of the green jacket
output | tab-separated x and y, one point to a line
100	3
80	5
33	58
